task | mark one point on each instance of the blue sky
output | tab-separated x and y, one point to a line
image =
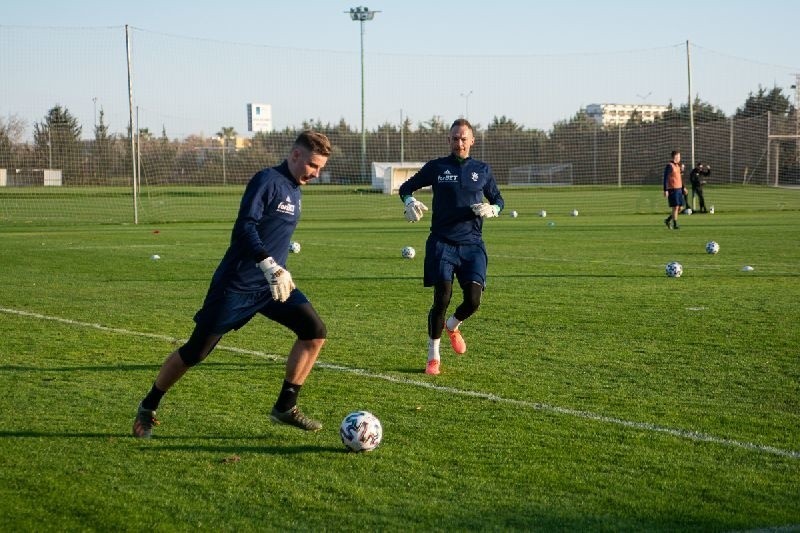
762	31
754	40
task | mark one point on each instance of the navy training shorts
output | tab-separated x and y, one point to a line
228	310
675	197
444	261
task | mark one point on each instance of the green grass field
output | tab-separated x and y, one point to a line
596	393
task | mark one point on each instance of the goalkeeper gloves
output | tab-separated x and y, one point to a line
484	210
280	281
414	209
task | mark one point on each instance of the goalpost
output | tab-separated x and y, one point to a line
387	176
783	150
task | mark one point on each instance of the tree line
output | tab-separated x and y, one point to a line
592	151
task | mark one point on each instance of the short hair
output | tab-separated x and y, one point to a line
675	152
462	122
314	142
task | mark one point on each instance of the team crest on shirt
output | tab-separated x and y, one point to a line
286	207
447	177
474	176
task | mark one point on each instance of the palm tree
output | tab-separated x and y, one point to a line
225	133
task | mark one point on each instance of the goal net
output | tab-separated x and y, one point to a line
183	151
553	174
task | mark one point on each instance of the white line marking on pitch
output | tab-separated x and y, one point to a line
586	415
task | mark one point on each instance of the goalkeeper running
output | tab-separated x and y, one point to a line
455	247
252	279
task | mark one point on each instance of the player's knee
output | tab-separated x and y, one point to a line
441	299
438	308
473	305
319	333
197	348
472	296
315	330
191	355
315	344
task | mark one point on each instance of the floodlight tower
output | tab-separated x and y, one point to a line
362	14
466	96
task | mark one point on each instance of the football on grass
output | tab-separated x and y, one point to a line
674	269
408	252
712	247
294	247
361	431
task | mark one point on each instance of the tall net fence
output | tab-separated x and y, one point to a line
68	152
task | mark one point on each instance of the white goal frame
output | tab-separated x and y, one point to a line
388	176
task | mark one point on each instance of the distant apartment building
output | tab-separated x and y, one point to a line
259	118
619	114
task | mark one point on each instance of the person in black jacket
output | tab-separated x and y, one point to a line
697	178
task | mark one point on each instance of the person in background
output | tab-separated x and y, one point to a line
697	179
674	191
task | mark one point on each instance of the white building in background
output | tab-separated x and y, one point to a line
619	114
259	117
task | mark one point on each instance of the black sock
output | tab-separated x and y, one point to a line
153	398
288	397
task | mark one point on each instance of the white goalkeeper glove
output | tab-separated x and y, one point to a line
485	210
414	209
280	281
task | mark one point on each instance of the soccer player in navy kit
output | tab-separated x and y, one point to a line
455	247
252	279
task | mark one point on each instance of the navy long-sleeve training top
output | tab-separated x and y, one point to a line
268	215
456	186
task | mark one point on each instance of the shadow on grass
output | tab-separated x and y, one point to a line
230	449
162	443
210	365
420	370
28	434
53	434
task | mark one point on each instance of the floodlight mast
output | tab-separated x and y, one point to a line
466	106
362	14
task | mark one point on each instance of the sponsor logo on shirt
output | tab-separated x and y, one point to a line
447	177
286	207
